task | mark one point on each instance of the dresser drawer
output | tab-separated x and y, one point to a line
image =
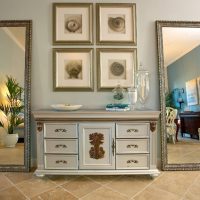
133	161
60	130
132	130
61	161
61	146
132	146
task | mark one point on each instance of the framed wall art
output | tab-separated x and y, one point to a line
191	92
73	69
115	66
116	23
72	23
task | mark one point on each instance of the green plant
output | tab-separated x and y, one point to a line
169	100
12	105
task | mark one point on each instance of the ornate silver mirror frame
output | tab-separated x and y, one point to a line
162	78
27	24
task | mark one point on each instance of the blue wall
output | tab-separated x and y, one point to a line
184	69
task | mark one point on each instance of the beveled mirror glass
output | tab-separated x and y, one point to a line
15	59
179	73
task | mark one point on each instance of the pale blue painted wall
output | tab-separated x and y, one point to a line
184	69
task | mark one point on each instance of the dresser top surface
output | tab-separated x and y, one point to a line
96	114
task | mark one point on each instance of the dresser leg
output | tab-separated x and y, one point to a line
154	175
40	175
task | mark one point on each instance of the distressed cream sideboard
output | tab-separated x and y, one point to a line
96	142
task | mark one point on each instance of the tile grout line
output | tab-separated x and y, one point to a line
105	183
14	185
20	181
68	191
168	191
106	186
190	187
71	192
147	186
7	186
64	182
39	192
164	191
91	192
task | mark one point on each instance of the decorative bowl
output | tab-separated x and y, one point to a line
66	107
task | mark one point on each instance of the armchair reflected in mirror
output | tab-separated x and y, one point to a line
15	59
178	58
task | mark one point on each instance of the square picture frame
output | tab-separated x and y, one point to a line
72	23
73	69
116	23
116	66
191	92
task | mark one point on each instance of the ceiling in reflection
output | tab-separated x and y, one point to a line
17	34
179	41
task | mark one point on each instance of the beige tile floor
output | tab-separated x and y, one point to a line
168	186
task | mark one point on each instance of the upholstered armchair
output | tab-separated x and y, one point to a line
171	114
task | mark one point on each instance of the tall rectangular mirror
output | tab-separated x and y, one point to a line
15	63
179	73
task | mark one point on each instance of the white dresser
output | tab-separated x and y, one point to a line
96	142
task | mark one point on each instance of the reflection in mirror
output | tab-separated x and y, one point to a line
179	71
15	40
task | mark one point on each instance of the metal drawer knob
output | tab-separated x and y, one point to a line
132	145
132	161
61	161
61	130
61	145
130	130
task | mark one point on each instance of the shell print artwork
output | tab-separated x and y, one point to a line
117	24
73	23
117	69
73	69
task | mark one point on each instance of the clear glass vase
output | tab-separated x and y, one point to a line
118	94
132	96
143	86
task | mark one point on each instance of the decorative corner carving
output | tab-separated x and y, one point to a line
39	126
96	139
152	126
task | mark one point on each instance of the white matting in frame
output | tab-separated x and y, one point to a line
72	23
116	66
116	23
73	69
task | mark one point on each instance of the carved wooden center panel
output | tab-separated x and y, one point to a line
96	139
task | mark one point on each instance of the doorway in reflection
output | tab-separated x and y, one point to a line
181	48
12	64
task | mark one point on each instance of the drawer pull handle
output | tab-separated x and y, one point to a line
61	145
60	130
113	147
132	145
132	130
132	161
61	161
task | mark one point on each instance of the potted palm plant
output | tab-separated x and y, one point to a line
11	106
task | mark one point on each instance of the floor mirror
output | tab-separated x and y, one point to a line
179	74
15	64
